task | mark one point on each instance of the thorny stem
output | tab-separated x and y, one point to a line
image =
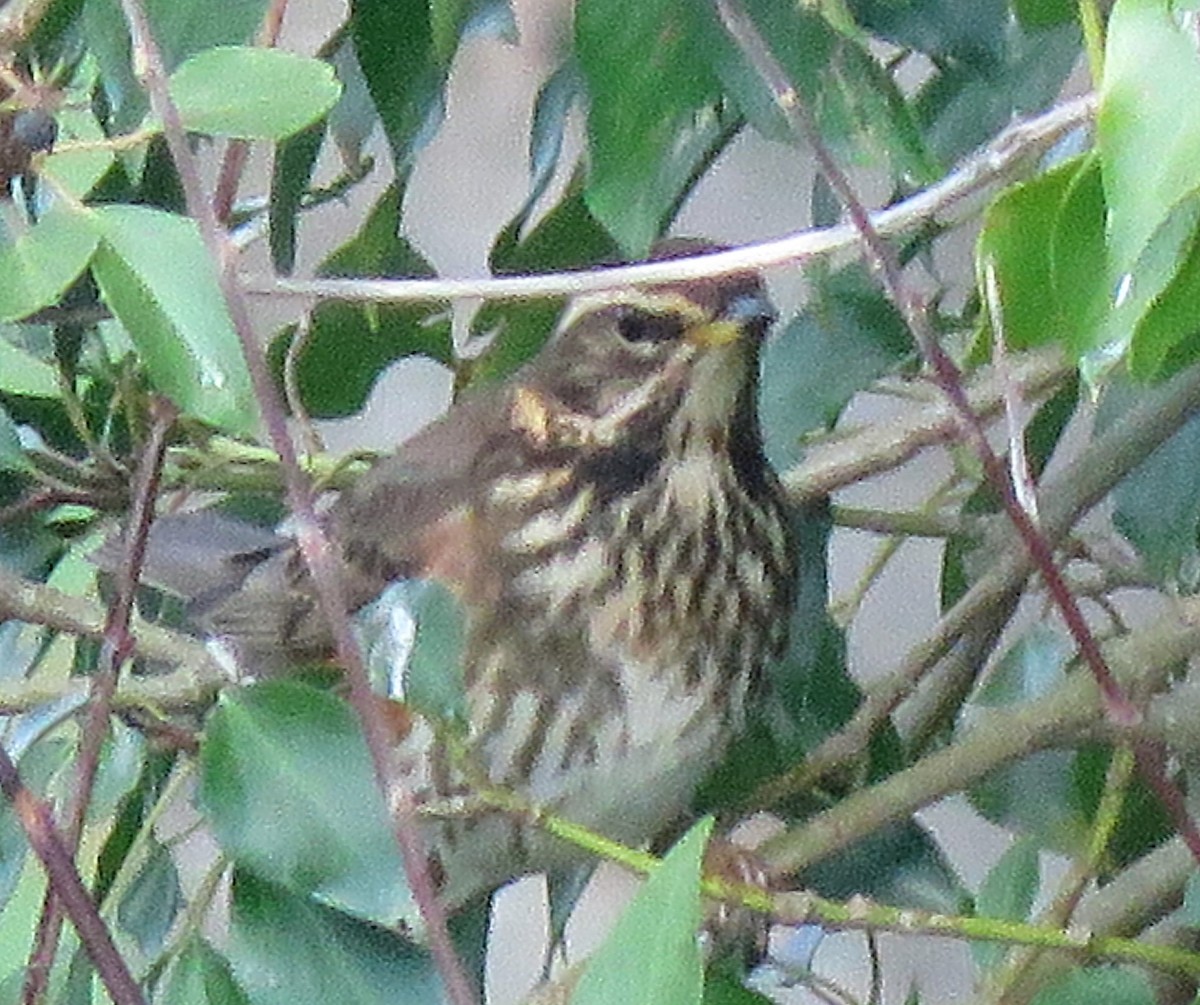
314	545
949	378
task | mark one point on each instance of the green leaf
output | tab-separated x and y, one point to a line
1044	13
1149	141
393	40
156	276
286	949
653	112
40	264
1189	913
1031	668
847	336
899	863
1167	336
288	786
349	345
415	630
652	955
970	99
1007	894
252	93
967	32
1044	241
1110	985
1157	505
180	29
291	174
22	373
149	907
199	976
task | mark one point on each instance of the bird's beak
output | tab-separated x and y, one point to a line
750	314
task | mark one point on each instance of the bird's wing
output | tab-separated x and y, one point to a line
410	516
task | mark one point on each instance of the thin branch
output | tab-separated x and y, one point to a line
35	604
315	548
1006	153
116	649
47	844
1146	658
858	454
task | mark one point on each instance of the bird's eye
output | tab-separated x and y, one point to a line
642	326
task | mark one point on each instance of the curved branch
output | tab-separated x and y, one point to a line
999	159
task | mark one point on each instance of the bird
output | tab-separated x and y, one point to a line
622	553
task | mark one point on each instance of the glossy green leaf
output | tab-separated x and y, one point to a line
1007	894
1149	141
1110	985
287	949
652	116
289	789
156	276
1044	241
40	264
252	93
652	956
199	976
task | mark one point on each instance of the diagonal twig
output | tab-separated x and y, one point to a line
315	548
117	647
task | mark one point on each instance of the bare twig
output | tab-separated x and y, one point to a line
314	545
117	647
993	163
1147	658
48	845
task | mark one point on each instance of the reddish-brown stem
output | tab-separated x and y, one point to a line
116	647
947	376
47	844
314	545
